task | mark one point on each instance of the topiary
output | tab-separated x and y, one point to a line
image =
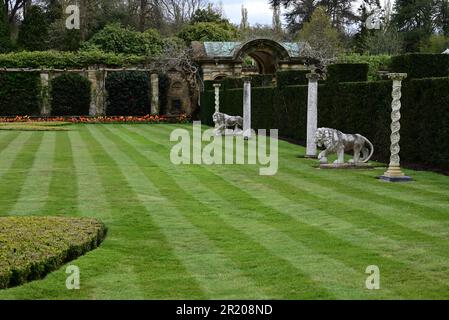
70	95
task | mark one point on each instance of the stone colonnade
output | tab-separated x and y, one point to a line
97	77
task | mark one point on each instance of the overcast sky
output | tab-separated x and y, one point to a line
259	11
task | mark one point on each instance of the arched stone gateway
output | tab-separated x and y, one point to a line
227	59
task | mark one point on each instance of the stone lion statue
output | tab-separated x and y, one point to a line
223	121
338	142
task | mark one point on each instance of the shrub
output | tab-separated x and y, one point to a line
208	31
376	63
32	247
19	94
292	78
117	39
420	65
70	95
128	94
348	72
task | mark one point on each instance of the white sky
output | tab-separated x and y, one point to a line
259	11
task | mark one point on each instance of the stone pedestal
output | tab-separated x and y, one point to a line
312	115
217	99
394	172
247	108
154	93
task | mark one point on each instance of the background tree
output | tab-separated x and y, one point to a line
300	12
118	39
323	39
414	19
33	32
5	37
208	31
244	24
209	14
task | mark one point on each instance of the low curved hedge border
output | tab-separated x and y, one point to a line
32	247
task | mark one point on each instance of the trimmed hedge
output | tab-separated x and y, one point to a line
70	95
128	94
32	247
376	63
348	72
421	65
292	78
19	94
354	107
62	60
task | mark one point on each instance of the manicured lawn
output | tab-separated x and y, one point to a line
200	232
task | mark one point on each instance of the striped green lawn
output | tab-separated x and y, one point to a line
224	232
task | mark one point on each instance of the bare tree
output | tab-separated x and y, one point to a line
179	12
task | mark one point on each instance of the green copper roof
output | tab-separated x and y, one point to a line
228	49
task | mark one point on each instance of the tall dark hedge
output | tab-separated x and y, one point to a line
292	78
421	65
128	94
70	95
348	72
19	94
354	107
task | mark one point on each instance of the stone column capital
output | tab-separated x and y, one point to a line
313	77
247	79
217	85
397	76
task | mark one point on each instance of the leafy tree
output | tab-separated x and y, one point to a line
5	40
62	39
383	42
209	14
33	32
300	12
414	18
117	39
437	43
208	31
322	38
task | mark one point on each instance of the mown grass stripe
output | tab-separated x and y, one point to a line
378	193
63	190
14	178
35	189
420	226
11	148
6	139
152	257
218	276
98	282
353	252
211	222
330	273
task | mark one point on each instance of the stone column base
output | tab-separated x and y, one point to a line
395	174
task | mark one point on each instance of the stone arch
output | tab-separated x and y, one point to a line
267	53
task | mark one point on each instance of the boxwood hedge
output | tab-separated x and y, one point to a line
32	247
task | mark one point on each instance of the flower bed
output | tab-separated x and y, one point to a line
102	119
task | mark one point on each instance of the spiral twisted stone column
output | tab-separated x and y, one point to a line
217	99
394	173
